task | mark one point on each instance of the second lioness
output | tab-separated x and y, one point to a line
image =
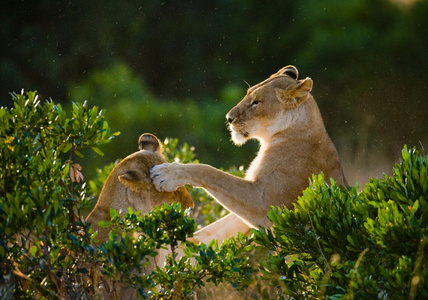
283	116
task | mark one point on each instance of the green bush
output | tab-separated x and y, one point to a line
44	242
47	250
337	242
124	257
341	243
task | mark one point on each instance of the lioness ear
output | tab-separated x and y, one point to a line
303	88
290	71
148	141
135	181
295	94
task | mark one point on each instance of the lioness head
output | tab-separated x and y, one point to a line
129	185
269	107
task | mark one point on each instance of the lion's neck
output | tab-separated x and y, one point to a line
306	122
285	122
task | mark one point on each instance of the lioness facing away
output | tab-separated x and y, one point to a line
129	185
283	116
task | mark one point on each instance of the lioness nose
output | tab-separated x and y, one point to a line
231	116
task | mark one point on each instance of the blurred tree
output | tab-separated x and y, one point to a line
192	48
367	58
134	110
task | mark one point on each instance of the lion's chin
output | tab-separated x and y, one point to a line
238	138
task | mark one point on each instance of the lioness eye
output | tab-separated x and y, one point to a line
254	103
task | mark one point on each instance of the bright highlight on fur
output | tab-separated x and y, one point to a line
283	116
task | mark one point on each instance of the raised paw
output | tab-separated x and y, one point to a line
166	177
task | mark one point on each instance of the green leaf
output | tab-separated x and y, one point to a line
114	213
33	251
105	224
79	154
67	147
97	151
350	240
2	112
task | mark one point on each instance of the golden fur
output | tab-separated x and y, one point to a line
129	185
283	116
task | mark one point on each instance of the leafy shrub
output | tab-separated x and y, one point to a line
124	257
47	250
341	243
336	243
43	239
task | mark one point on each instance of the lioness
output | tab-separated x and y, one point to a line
283	116
129	185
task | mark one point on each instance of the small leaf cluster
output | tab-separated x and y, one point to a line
174	151
340	243
227	262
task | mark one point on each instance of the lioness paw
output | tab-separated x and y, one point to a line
165	177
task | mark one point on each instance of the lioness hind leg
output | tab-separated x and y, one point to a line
220	230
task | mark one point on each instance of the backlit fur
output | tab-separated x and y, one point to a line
283	116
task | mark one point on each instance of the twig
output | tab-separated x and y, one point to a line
418	262
318	243
351	290
70	207
42	142
52	276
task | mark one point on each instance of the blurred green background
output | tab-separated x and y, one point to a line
175	68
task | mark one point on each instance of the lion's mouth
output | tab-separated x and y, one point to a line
241	130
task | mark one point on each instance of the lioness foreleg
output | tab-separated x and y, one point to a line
227	189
